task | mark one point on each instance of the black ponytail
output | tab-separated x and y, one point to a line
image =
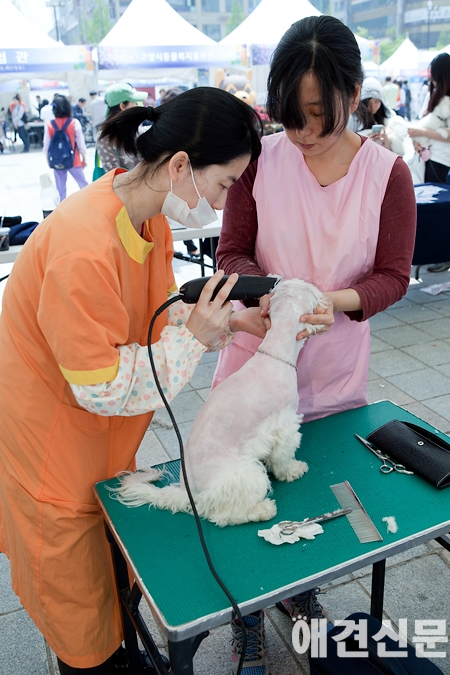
121	128
210	125
440	80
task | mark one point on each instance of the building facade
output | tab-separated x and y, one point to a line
424	21
209	16
71	17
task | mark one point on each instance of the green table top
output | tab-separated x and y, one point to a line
166	555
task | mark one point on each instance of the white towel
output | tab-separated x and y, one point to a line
274	536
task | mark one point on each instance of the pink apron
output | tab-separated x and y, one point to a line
328	237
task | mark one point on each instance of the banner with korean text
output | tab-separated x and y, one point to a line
225	56
58	59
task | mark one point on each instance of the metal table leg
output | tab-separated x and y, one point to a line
182	653
214	242
201	245
376	602
133	622
444	541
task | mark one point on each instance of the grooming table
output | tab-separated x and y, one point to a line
164	551
210	232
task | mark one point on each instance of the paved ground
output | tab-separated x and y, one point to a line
410	365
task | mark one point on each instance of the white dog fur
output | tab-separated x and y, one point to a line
434	120
248	424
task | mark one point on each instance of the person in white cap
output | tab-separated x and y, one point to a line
374	111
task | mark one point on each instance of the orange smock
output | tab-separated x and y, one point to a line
84	284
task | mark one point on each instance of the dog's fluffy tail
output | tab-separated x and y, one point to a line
136	489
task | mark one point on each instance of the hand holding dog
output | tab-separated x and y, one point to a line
319	322
251	321
323	317
344	300
414	132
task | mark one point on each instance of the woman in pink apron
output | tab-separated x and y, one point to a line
324	205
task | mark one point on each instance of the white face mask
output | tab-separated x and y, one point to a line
177	209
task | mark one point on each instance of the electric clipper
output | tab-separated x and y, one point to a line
247	287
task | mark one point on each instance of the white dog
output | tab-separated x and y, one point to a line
434	120
248	424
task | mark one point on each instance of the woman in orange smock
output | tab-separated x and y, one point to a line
76	385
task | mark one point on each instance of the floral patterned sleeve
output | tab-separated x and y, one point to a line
108	155
133	391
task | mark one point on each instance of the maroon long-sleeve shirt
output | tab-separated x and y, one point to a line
390	277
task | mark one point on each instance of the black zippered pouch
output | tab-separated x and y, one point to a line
418	449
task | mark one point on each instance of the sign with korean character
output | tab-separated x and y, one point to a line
59	59
358	632
427	633
386	630
312	637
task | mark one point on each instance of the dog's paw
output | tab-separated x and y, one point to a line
265	510
313	329
295	470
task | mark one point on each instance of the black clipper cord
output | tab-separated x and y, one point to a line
187	486
249	287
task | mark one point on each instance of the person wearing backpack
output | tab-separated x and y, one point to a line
65	147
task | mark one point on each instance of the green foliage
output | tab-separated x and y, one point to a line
391	32
388	47
99	24
236	17
443	39
363	32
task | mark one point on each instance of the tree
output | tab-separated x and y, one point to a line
388	47
363	32
99	24
236	17
443	39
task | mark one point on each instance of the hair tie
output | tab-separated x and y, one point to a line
150	114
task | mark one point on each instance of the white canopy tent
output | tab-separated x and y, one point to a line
269	21
407	60
153	22
27	52
18	32
425	58
264	28
371	69
144	26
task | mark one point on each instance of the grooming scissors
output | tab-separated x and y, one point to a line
289	526
388	464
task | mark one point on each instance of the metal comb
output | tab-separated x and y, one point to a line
359	519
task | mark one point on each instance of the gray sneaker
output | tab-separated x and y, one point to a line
304	606
255	662
439	267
